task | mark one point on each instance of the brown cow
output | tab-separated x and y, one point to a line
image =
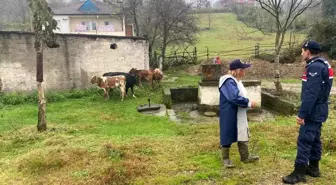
157	75
148	75
107	82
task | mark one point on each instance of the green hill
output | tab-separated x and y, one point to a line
227	33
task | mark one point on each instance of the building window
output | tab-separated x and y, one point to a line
93	26
108	23
89	26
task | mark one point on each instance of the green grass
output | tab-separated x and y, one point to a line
182	78
227	33
90	141
291	81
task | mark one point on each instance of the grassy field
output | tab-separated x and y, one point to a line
227	33
90	141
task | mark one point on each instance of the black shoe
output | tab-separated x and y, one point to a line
313	169
298	175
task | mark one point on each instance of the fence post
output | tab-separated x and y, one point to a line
256	50
207	50
195	55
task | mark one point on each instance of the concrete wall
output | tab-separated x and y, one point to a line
209	95
70	66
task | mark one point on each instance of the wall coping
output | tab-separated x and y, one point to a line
247	83
77	35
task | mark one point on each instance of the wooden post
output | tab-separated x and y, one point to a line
258	53
207	50
195	55
256	50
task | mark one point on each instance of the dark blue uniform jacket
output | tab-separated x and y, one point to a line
316	86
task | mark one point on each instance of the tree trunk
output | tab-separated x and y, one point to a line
42	122
163	55
31	21
136	22
160	63
164	46
277	82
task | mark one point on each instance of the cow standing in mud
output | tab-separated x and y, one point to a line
108	82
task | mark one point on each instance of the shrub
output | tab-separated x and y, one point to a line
324	32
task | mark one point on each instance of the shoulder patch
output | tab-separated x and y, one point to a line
312	74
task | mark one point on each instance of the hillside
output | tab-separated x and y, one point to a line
227	33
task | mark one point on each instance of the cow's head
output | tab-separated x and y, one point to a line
94	79
133	71
158	71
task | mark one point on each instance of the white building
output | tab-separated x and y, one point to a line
91	17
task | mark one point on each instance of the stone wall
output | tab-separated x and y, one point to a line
70	66
278	104
179	95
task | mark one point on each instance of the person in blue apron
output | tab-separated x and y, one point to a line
233	105
316	86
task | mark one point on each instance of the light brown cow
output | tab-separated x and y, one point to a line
143	74
157	75
148	75
107	82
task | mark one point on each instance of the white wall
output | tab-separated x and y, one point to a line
63	24
209	95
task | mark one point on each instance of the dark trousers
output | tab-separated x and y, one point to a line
226	146
309	143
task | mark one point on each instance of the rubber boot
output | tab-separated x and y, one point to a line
226	158
313	169
298	175
244	153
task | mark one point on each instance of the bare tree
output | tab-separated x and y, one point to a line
284	12
164	22
15	14
57	3
44	24
254	18
173	23
201	3
224	3
131	9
